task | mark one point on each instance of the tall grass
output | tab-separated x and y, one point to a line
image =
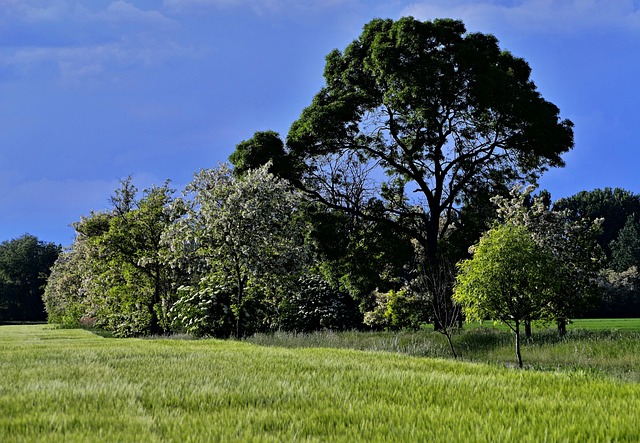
614	354
71	385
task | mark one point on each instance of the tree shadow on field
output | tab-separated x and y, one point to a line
480	340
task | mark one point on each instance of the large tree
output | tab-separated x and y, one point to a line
114	274
441	112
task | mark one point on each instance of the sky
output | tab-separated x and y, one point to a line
94	91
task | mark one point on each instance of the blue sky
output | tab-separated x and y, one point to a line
94	91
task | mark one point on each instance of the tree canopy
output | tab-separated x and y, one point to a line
25	264
572	244
241	240
614	206
440	111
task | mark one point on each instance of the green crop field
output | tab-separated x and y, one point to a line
71	385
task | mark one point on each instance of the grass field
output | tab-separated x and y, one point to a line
591	324
600	324
71	385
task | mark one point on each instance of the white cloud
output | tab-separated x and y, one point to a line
534	16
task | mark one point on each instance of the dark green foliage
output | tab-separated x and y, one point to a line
316	305
613	205
264	147
25	264
620	293
359	255
625	249
438	110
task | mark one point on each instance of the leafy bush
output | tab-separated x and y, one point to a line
395	310
203	311
316	305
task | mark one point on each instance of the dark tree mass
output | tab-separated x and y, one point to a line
25	264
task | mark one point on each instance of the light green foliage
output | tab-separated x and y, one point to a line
63	300
507	279
396	310
241	233
571	242
510	278
114	275
71	294
72	386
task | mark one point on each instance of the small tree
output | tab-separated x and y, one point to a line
437	281
571	241
509	279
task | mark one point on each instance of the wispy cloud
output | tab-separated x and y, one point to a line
534	16
259	7
84	43
78	63
74	11
123	11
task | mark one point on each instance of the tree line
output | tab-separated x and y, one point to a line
402	161
25	263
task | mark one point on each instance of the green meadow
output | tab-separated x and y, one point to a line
61	385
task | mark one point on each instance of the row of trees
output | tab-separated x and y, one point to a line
231	256
25	263
244	251
359	216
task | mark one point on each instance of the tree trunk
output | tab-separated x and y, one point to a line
562	326
527	328
155	327
518	344
239	312
453	351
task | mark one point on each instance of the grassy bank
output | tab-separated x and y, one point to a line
71	385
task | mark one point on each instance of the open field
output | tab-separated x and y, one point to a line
72	385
